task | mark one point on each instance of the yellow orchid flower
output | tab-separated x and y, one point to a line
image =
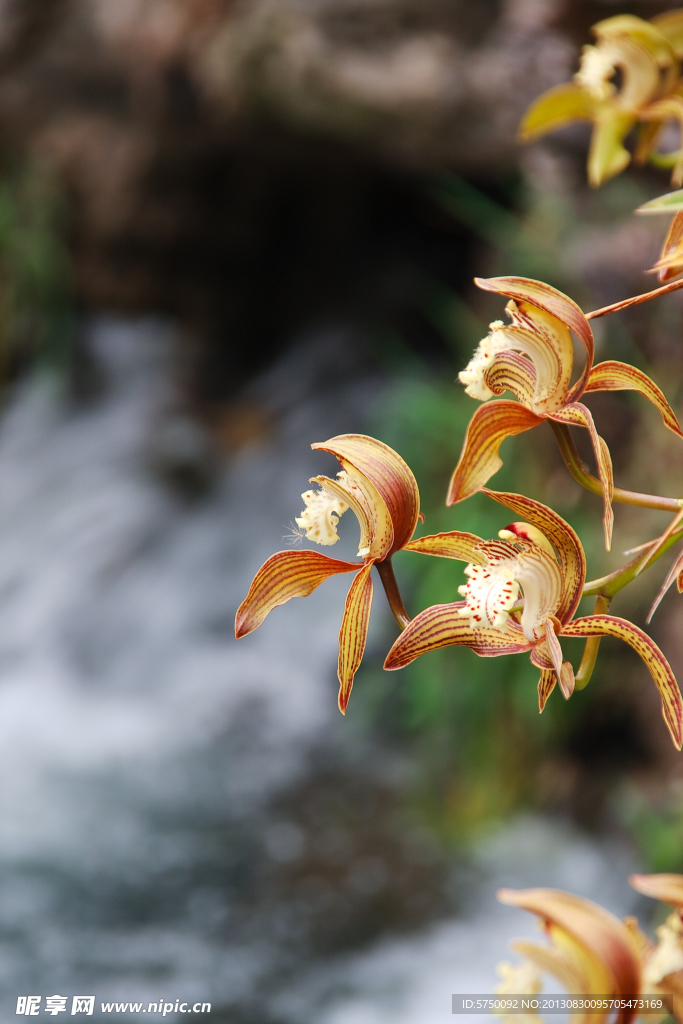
543	556
645	55
378	486
532	357
591	952
663	962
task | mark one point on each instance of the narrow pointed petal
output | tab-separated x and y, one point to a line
642	644
670	577
609	952
554	109
551	961
666	887
608	156
546	685
512	372
672	202
524	289
578	415
487	430
670	262
463	546
354	632
567	545
285	575
441	626
553	647
615	376
388	473
656	545
567	681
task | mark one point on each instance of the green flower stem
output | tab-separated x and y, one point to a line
386	574
608	586
635	300
590	651
579	470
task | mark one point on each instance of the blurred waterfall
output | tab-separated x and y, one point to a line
169	827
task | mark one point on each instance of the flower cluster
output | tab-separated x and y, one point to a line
631	77
521	591
593	953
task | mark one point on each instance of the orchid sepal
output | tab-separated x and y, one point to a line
285	575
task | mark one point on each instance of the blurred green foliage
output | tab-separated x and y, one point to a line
36	303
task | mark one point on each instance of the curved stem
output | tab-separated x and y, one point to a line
579	470
590	651
386	574
611	584
635	300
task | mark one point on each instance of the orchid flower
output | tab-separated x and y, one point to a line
543	556
662	962
532	357
646	54
382	492
591	951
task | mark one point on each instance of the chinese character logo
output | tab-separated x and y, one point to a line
83	1004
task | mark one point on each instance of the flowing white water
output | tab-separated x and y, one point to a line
140	745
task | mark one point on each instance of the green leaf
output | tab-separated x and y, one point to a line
669	203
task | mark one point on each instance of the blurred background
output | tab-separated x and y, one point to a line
227	230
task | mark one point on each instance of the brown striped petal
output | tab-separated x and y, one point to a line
642	644
524	289
512	372
546	685
568	547
441	626
666	887
353	632
285	575
579	416
615	376
464	546
479	460
594	944
388	474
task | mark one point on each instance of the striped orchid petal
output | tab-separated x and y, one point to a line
566	543
389	475
615	376
546	685
441	626
512	372
487	430
285	575
464	546
593	949
537	293
578	415
353	633
642	644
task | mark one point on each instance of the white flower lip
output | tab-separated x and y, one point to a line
320	517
